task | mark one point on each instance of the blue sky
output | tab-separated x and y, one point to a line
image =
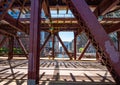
66	36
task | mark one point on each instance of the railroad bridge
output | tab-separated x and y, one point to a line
96	18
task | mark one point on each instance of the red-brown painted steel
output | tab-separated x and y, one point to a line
16	25
6	32
85	48
75	40
22	46
105	6
63	46
97	35
34	55
5	7
118	37
97	56
53	46
11	44
113	28
45	42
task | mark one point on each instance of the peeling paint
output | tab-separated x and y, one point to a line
114	55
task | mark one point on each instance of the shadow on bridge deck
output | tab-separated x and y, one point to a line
56	72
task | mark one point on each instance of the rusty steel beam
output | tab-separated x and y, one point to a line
7	33
98	57
118	37
16	25
99	38
105	7
53	46
45	42
10	46
22	7
3	41
75	26
34	55
22	46
45	6
75	41
4	9
111	19
113	28
53	19
58	37
84	50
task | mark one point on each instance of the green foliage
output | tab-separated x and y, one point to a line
17	51
4	50
81	49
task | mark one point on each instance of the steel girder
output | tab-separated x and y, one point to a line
85	48
4	7
11	45
105	7
34	55
97	36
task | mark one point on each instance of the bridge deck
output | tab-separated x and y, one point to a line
56	72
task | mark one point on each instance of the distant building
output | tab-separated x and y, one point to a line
67	45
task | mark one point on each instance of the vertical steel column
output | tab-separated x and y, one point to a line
11	44
53	46
63	46
75	40
118	37
34	55
22	46
85	48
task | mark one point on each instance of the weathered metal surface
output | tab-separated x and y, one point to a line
34	55
97	35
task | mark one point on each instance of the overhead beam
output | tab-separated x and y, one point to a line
45	6
105	7
16	25
53	19
113	28
7	33
4	9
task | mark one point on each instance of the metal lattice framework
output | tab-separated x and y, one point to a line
96	18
